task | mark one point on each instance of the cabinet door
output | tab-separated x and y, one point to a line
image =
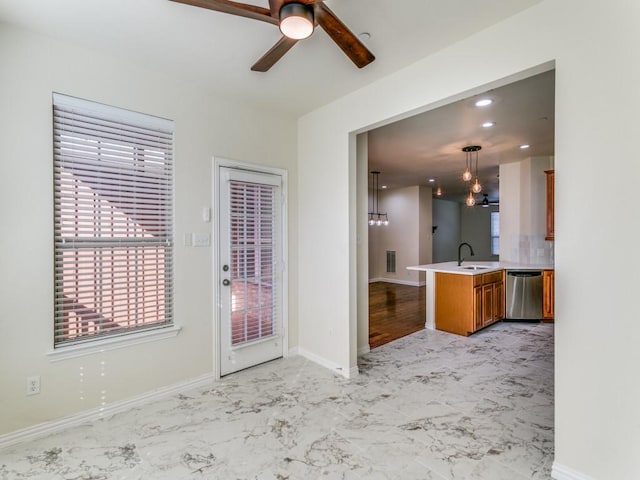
498	300
477	308
488	313
548	299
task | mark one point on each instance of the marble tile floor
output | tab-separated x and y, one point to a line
427	406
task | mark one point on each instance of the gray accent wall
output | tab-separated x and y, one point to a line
475	229
458	223
446	216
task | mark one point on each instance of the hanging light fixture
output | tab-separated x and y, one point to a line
485	201
296	20
438	192
375	217
471	201
469	150
466	174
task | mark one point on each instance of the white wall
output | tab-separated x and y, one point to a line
33	67
362	194
523	211
425	222
595	46
408	234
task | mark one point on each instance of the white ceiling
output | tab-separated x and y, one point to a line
429	145
217	49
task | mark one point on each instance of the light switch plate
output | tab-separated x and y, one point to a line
206	214
201	240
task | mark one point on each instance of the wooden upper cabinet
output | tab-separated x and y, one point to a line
550	205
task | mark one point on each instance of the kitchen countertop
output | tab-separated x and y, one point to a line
487	267
452	267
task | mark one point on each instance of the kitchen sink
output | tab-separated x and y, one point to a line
475	267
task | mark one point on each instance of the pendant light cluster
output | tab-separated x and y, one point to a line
375	217
476	187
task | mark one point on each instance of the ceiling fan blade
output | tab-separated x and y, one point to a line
234	8
342	36
275	6
274	54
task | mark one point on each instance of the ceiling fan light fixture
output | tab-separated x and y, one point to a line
296	20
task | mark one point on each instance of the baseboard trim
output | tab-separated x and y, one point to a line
56	426
293	351
560	472
399	282
323	362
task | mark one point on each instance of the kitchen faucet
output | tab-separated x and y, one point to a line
460	259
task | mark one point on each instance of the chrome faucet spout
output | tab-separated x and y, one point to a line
460	257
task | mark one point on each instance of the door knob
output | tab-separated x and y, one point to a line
225	268
226	282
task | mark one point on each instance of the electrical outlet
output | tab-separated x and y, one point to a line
33	385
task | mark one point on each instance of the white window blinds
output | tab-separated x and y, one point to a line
253	262
495	233
113	175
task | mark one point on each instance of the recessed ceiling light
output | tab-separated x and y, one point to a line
364	36
383	186
484	102
488	124
525	146
431	180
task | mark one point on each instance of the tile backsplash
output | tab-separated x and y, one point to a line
531	249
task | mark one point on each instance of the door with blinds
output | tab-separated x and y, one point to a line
251	268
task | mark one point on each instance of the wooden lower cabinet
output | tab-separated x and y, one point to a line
466	303
499	299
488	294
548	295
478	311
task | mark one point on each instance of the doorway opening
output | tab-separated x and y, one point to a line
421	153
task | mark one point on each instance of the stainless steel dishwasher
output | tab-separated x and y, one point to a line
524	295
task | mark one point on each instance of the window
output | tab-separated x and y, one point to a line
113	236
495	233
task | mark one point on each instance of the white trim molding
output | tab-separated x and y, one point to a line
398	282
364	350
323	362
113	342
560	472
87	416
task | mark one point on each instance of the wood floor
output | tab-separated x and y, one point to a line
394	311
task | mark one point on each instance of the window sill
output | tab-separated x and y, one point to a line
113	343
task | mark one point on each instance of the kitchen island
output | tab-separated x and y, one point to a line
473	293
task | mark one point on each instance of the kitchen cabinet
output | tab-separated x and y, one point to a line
466	303
548	295
550	204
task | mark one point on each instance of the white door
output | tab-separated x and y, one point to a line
251	267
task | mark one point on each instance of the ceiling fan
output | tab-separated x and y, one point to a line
486	202
296	20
